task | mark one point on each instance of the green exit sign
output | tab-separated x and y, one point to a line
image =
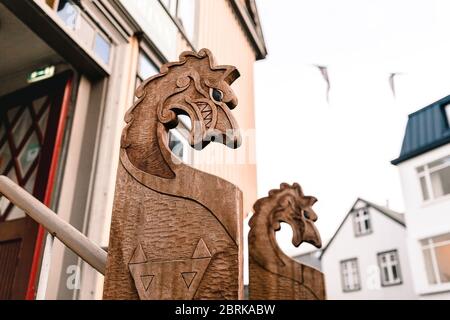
41	74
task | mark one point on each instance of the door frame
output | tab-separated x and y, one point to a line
59	88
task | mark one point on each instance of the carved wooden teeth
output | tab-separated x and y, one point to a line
206	114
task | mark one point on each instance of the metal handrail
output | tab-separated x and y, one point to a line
66	233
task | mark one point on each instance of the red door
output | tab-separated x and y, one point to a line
31	129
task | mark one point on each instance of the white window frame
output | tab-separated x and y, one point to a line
426	173
431	245
351	280
360	216
388	265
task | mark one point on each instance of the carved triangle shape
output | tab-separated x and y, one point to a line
201	251
147	281
138	255
188	277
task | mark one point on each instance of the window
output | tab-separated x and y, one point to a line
68	12
361	222
436	253
102	48
350	275
434	179
185	12
389	268
85	29
145	69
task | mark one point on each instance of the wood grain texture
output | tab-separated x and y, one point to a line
272	274
176	232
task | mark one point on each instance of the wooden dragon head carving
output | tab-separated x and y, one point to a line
194	86
288	204
270	268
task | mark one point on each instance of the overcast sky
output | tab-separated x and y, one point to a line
342	150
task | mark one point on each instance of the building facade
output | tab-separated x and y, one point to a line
424	167
367	256
70	74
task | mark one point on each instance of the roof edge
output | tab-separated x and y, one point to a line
370	204
422	150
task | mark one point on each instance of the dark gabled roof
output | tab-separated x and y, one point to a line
427	129
394	215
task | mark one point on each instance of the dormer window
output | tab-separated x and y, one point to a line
434	179
361	221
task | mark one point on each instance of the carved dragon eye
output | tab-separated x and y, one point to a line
306	214
216	95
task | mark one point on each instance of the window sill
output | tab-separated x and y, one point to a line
435	289
432	202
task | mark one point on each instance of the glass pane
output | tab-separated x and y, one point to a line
185	121
5	157
29	153
43	122
146	68
20	129
385	275
358	228
393	257
102	48
394	272
15	213
440	181
29	185
3	205
38	104
429	266
12	175
68	13
367	225
420	169
423	185
443	262
445	160
12	113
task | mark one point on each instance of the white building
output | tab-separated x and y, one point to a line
424	165
367	256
